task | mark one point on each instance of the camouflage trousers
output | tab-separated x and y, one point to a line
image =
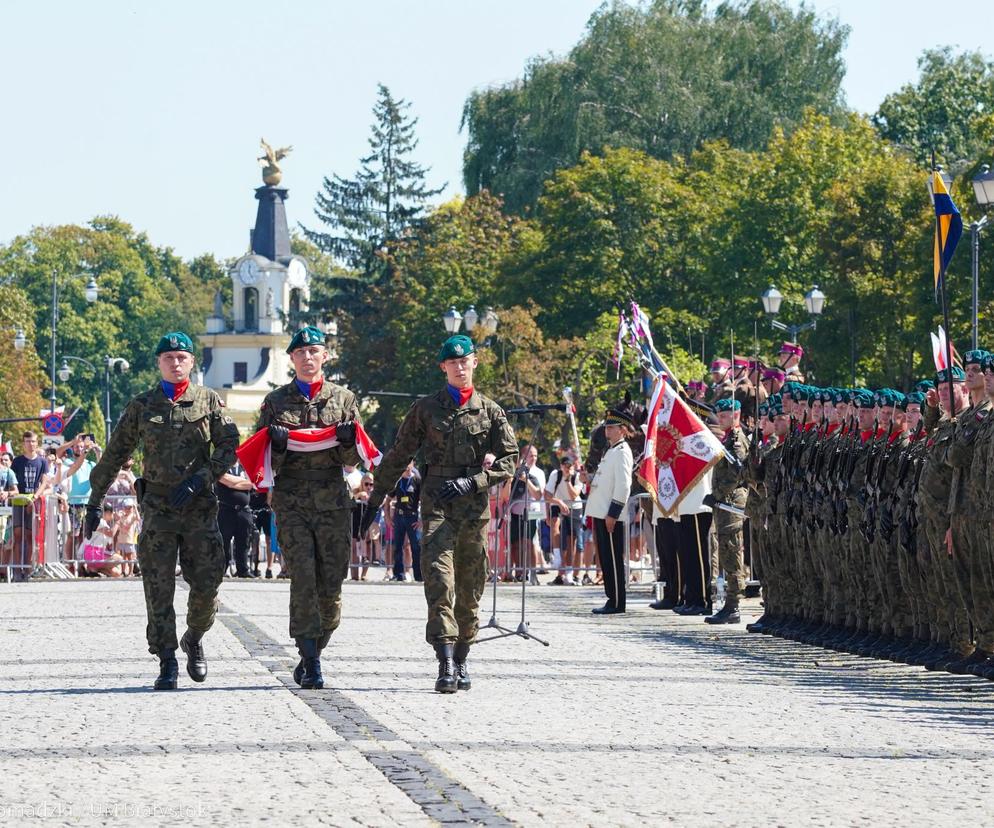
192	533
729	532
454	567
971	562
944	591
316	541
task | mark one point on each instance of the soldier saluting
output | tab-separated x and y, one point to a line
311	499
188	443
453	430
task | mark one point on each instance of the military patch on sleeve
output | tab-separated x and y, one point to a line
227	420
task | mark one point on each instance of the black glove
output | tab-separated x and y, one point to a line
456	487
369	515
92	520
182	494
886	522
709	501
345	432
278	437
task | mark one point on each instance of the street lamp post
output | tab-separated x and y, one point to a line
983	191
111	365
91	296
814	303
487	322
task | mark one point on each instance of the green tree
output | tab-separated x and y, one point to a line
144	291
22	371
366	215
949	109
661	78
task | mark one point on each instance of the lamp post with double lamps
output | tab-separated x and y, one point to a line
983	191
112	365
814	302
487	323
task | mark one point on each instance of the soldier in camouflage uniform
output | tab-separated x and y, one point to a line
760	506
981	485
955	640
311	499
188	443
965	538
454	430
728	489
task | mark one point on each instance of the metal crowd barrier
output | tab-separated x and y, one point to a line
503	567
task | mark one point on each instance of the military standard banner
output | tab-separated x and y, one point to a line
679	448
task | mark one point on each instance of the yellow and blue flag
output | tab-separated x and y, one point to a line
948	226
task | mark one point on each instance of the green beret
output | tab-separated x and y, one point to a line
959	375
863	398
924	385
456	347
174	341
989	362
839	396
764	409
305	336
977	356
776	410
727	404
914	398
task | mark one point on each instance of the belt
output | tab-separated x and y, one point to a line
448	471
335	472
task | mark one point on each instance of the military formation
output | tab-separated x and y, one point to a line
870	520
189	442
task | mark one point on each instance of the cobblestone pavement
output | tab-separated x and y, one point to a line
638	719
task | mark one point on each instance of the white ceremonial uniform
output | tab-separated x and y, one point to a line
608	496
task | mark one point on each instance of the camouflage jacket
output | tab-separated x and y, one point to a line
452	441
332	404
726	481
933	486
176	438
961	451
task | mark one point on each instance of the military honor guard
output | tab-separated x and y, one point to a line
311	499
609	491
453	430
188	443
728	490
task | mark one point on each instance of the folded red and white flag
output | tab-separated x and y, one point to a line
256	454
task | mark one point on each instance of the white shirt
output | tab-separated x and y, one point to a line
560	491
536	505
612	481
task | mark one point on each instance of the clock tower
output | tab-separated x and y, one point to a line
244	356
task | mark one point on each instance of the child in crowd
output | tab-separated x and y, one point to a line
126	533
98	552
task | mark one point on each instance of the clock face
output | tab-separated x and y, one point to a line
296	273
248	272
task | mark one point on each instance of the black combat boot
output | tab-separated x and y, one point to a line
459	654
168	671
196	664
447	682
728	614
759	625
298	671
962	666
310	676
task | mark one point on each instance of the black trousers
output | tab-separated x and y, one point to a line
695	559
611	551
668	555
236	527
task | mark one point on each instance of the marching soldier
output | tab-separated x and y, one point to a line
188	443
311	499
728	490
454	430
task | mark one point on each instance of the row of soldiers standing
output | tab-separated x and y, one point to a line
871	519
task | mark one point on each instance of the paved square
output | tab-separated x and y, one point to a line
645	718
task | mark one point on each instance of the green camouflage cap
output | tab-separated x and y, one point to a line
174	341
305	336
456	347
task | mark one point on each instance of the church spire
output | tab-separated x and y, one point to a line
271	236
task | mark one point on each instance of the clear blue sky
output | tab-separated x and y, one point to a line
153	111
